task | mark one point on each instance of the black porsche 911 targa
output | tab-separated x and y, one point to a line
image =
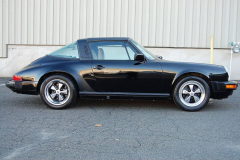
119	68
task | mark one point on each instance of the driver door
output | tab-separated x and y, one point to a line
115	70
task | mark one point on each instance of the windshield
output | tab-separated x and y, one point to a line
68	51
146	53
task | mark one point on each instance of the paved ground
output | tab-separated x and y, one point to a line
129	129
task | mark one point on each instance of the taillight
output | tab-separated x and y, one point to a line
17	78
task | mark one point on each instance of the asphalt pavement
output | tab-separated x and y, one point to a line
117	129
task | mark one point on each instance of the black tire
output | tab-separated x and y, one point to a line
191	93
58	92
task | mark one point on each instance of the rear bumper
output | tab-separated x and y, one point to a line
24	87
219	90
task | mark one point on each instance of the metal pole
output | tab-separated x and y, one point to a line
230	63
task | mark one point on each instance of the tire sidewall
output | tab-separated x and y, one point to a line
72	91
182	105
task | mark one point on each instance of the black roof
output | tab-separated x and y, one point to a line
108	39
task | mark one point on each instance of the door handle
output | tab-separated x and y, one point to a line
99	67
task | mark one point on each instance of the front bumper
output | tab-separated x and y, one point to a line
219	90
24	87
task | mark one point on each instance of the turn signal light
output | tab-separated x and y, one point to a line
231	86
17	78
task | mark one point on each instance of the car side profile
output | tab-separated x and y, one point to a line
119	68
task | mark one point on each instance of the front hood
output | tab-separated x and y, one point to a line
209	70
190	63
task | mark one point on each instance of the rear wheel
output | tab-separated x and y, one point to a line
191	93
58	92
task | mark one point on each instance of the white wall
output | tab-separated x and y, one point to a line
162	23
20	56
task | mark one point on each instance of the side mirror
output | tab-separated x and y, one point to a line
139	57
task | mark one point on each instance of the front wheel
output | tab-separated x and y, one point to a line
191	93
58	92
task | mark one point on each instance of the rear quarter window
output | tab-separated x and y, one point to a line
68	51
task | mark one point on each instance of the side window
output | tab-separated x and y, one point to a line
131	51
108	50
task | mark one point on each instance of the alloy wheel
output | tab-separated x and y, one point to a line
57	92
191	93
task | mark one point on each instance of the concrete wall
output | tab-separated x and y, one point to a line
21	55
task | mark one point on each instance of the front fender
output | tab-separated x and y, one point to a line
173	71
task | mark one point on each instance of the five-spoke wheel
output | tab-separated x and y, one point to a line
191	93
58	92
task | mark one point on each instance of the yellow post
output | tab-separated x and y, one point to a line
211	49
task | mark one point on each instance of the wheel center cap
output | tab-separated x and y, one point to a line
57	91
191	94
